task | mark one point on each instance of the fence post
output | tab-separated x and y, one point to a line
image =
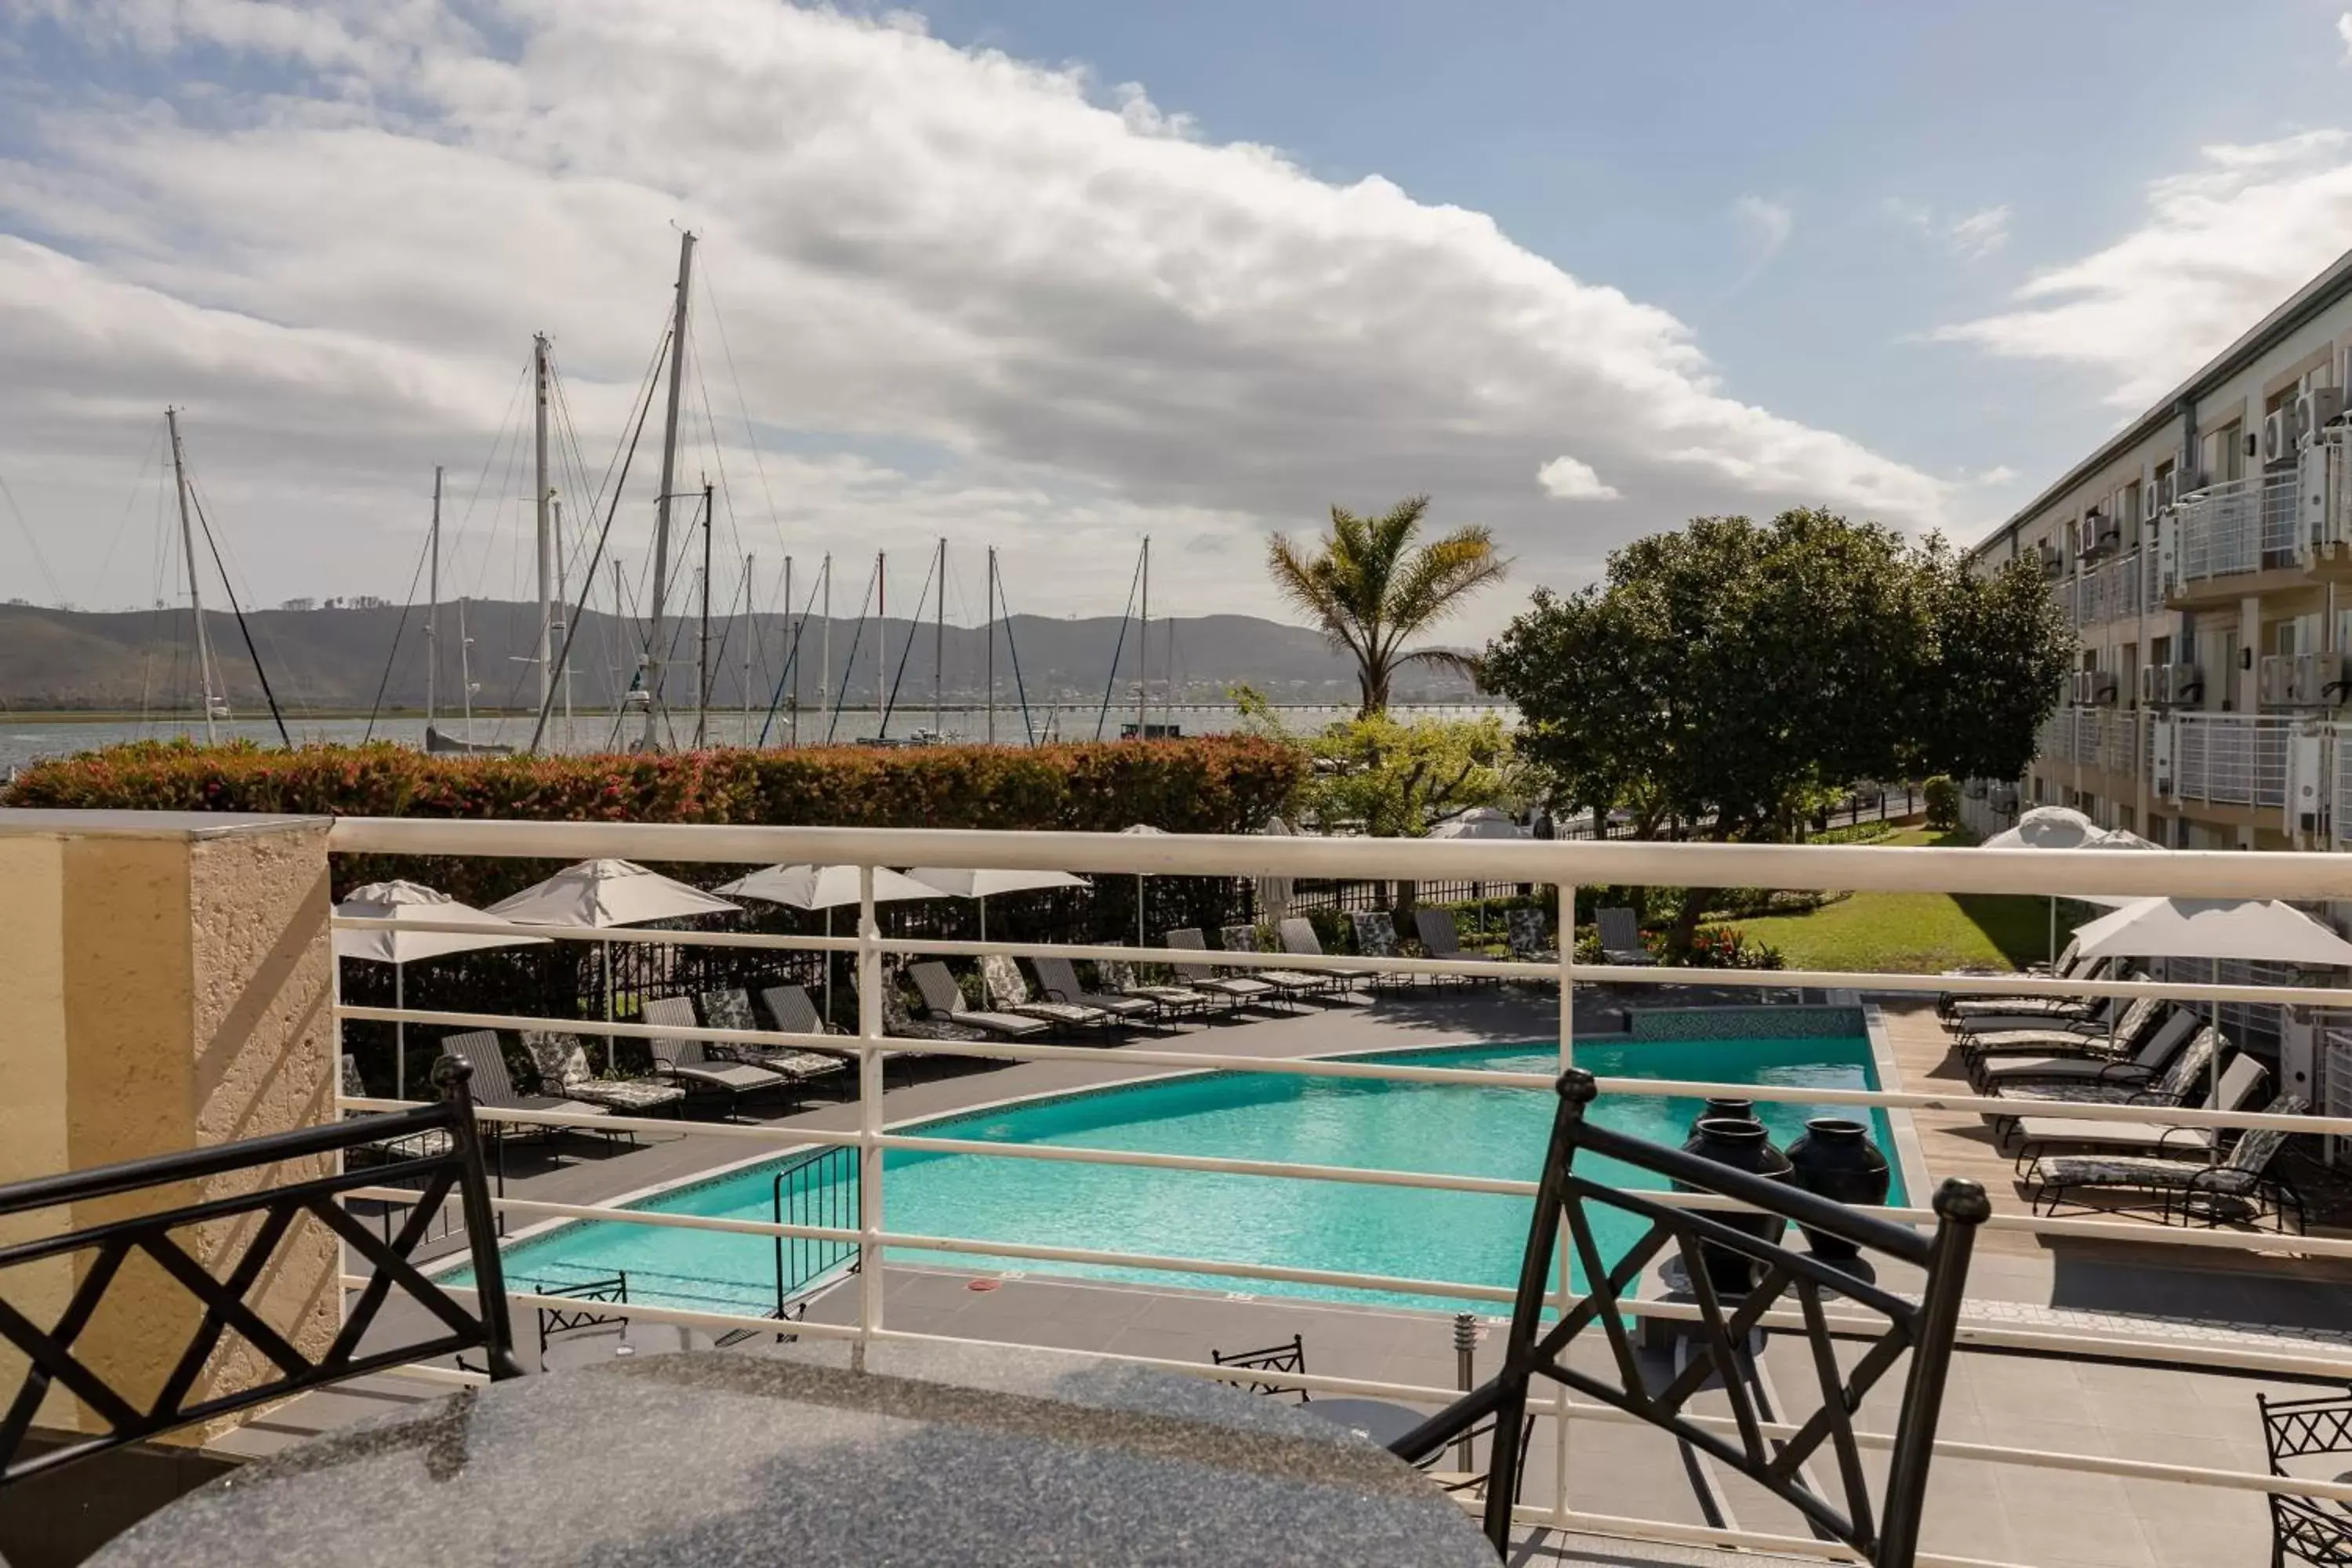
1562	1245
869	1117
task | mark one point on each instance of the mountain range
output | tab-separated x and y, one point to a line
365	658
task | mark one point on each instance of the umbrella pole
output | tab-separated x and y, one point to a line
984	919
605	953
399	1035
2053	934
1138	909
828	966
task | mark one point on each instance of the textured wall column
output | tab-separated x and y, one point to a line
166	986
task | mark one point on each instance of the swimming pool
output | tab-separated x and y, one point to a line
1403	1232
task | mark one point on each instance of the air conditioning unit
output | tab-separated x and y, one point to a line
2152	693
2320	679
2110	536
2184	685
2306	797
2168	558
2299	1054
2054	559
2278	434
2104	687
2274	682
2317	409
2152	499
2160	756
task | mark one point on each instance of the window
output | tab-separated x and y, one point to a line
2127	500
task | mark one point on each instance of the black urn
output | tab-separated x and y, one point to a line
1720	1111
1836	1159
1743	1146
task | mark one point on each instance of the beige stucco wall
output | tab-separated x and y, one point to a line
168	988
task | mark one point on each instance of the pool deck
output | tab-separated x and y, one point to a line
1995	1513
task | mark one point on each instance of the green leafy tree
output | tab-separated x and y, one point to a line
1728	674
1371	589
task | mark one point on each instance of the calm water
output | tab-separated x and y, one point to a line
26	739
1402	1232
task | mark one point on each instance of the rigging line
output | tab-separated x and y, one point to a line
277	652
122	524
726	351
1020	691
727	632
1126	612
841	695
588	578
32	543
914	627
213	544
791	656
399	629
506	421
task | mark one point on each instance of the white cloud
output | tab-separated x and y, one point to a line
1565	478
1764	226
2344	32
963	294
1993	478
2221	245
1972	237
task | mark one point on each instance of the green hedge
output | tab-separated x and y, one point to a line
1215	784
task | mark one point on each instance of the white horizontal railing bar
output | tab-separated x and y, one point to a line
1571	862
1317	1066
684	1317
605	934
1802	1547
1395	1285
1217	1165
425	1372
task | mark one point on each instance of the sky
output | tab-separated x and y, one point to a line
1048	275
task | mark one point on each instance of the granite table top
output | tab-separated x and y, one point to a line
930	1454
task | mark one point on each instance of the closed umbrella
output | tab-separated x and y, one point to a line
957	883
1274	893
826	888
2252	929
411	901
603	893
1140	827
1479	822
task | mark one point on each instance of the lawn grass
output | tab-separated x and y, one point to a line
1920	932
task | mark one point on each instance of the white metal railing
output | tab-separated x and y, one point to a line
1561	864
2231	759
2237	526
2114	590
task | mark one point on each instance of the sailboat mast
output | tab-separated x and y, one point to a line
939	651
668	477
195	594
702	643
824	672
1143	653
544	523
988	614
432	612
882	631
751	608
795	623
562	623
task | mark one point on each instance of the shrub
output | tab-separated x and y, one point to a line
1712	947
1943	802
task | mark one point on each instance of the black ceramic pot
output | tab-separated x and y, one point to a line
1836	1159
1743	1146
1720	1111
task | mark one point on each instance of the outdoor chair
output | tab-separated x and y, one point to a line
2142	1057
1287	1357
2181	1077
2241	1186
1174	1001
2069	965
1059	978
1469	1485
2309	1530
260	1190
943	1000
493	1090
2140	1021
1375	937
1883	1530
2243	1083
612	1289
796	1065
1621	937
898	1020
1530	940
1242	990
1292	982
1441	940
1299	940
1008	992
2029	1008
411	1146
2095	1015
560	1060
689	1061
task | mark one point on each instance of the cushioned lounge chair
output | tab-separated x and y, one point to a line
944	1001
1059	979
2243	1083
2029	1007
2086	1014
1174	1001
1297	981
691	1064
1375	937
899	1022
1441	938
2070	963
561	1062
1243	990
2241	1186
2092	1064
1621	937
1008	992
797	1064
1530	938
493	1089
2131	1031
429	1145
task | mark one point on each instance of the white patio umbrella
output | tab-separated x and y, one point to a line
2063	827
411	901
1479	822
604	893
826	888
981	886
2262	929
1274	893
1140	827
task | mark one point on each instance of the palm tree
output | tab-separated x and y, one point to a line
1370	588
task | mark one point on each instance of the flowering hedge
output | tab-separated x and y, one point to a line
1216	784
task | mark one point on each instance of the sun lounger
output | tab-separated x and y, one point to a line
943	1000
561	1062
429	1145
2070	964
1008	992
2139	1021
692	1065
899	1022
2090	1014
493	1089
2243	1083
1174	1001
731	1009
1244	939
1059	978
1241	989
2091	1063
1440	939
1530	940
1375	937
2033	1006
1299	940
1621	937
2243	1186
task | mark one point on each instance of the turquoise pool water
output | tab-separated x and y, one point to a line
1405	1232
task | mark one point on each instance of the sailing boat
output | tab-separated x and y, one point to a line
436	743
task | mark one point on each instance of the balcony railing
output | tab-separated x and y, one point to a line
2231	759
1559	864
2237	526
